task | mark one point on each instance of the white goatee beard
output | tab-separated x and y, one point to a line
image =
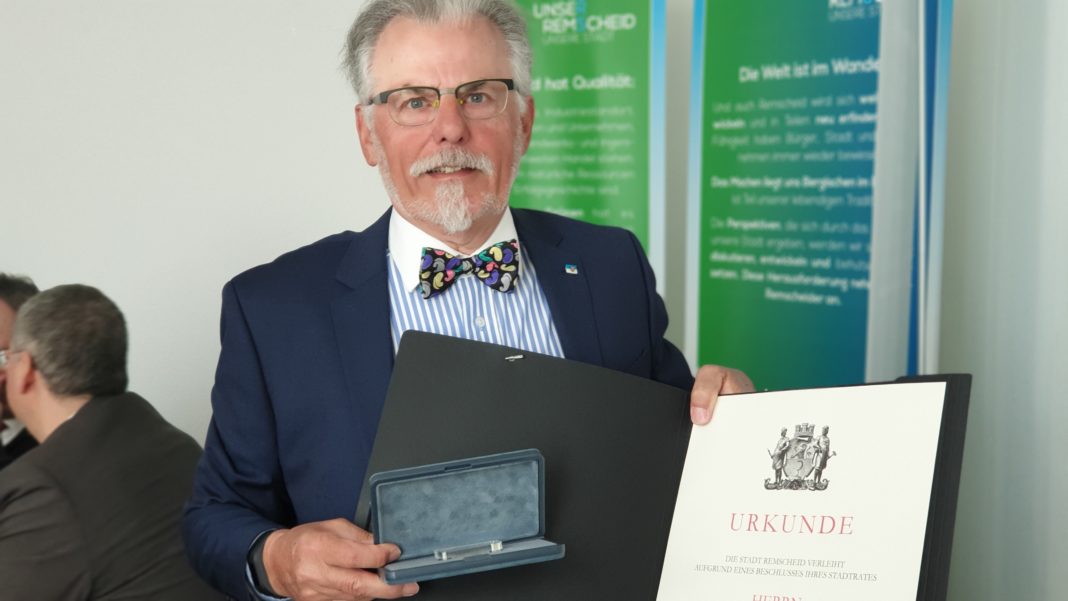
450	209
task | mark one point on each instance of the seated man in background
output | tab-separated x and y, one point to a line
14	439
93	512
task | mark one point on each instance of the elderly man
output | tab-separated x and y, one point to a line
14	439
445	115
93	512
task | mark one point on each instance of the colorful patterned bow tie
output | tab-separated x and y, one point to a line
497	266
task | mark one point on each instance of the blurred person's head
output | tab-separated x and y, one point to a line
68	345
14	291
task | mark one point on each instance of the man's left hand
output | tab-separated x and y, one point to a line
712	381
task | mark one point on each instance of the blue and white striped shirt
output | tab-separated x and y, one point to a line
469	309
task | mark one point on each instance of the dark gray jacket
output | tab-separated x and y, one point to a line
93	513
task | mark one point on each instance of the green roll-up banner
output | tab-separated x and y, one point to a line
597	82
784	109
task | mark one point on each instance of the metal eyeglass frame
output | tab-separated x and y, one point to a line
382	97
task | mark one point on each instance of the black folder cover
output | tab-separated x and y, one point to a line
942	513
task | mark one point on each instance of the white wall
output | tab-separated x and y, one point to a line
155	149
1005	305
678	53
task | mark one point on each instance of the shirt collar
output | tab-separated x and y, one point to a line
14	427
406	242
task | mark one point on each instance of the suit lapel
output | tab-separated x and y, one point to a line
361	316
568	294
361	324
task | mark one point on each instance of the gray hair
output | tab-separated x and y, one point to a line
16	289
377	14
77	338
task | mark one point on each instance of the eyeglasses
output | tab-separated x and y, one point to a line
480	99
5	357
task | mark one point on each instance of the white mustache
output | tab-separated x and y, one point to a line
452	158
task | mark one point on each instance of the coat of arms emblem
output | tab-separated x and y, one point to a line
795	459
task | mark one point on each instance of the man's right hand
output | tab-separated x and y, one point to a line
329	561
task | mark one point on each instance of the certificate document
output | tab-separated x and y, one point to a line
807	495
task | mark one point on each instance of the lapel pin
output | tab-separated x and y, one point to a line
570	269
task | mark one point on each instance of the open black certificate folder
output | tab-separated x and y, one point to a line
615	448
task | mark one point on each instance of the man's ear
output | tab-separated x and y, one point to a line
22	375
526	122
363	129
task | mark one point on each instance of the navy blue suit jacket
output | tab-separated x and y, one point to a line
306	359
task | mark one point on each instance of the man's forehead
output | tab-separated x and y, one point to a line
414	52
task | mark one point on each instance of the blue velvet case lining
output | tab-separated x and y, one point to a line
470	502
